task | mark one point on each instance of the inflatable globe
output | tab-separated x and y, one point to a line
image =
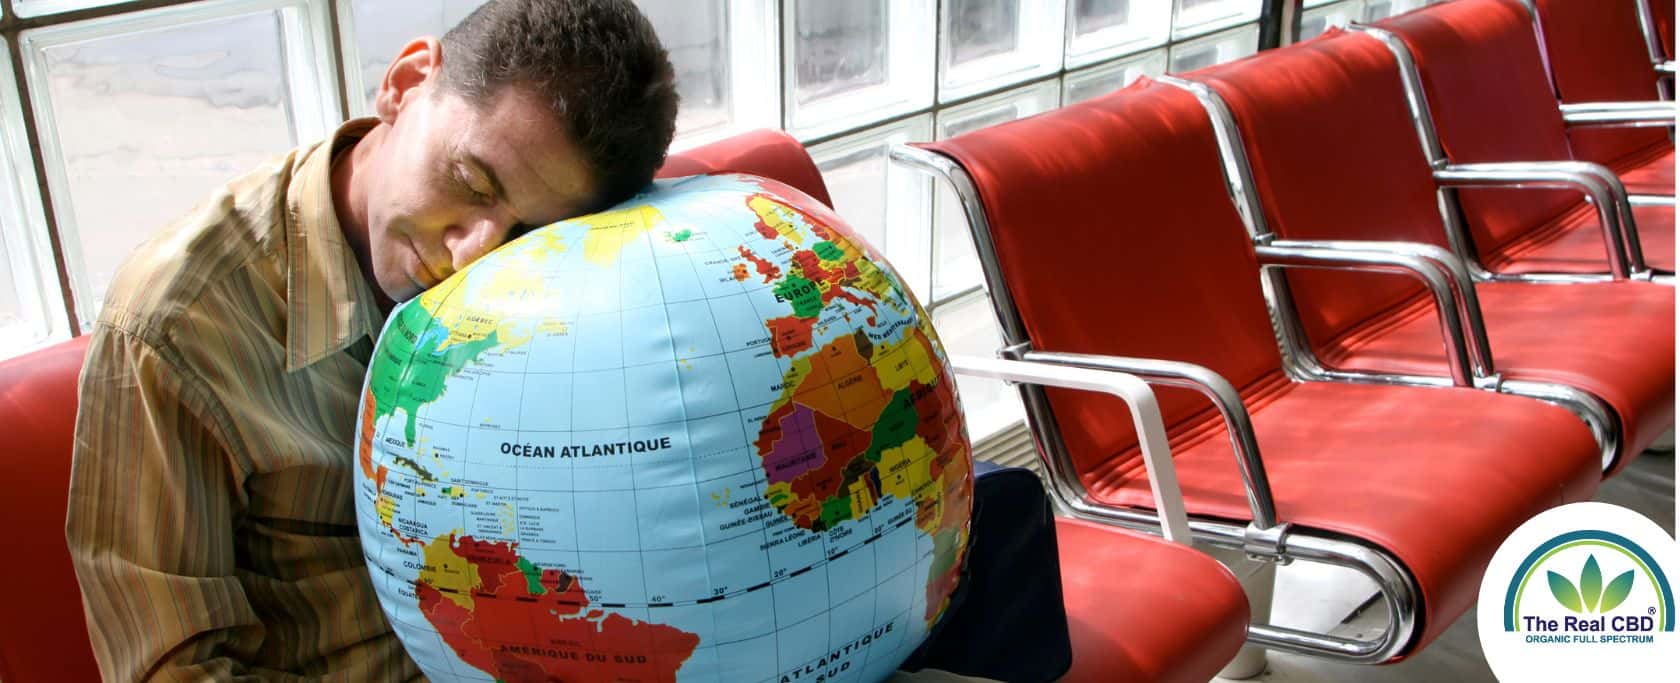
707	435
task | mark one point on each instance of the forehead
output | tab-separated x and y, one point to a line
522	142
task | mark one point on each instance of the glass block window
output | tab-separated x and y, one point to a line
855	60
1319	19
1197	17
31	309
1084	85
887	204
1102	29
1220	47
144	115
724	53
380	29
993	43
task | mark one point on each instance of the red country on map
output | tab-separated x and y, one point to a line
524	624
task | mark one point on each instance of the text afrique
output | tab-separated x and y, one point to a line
1582	625
531	450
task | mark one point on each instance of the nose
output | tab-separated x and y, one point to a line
474	237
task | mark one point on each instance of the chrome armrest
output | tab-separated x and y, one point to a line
1599	184
1469	356
1224	397
1146	418
1618	114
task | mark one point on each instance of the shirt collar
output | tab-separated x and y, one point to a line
329	303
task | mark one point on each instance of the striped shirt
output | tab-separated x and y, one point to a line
211	520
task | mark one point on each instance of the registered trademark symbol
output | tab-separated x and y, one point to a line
1651	610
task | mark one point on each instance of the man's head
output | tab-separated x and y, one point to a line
528	112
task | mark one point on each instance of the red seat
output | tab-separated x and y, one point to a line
1319	176
1489	98
1207	608
1114	236
1597	53
43	636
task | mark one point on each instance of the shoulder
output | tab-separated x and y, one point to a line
224	252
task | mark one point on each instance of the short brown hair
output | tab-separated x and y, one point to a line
598	62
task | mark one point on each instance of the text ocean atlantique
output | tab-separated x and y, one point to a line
529	450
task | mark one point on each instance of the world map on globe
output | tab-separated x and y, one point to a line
706	435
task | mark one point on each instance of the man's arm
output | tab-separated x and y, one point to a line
153	497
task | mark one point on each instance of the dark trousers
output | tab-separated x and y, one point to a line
1006	620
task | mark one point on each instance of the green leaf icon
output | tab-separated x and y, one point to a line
1617	591
1591	583
1564	591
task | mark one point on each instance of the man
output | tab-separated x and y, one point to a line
212	522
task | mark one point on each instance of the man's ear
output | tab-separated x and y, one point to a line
414	72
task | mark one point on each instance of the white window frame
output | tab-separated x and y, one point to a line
908	86
1039	52
47	7
311	89
34	272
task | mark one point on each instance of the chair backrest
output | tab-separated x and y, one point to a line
1115	236
1597	54
43	633
769	153
1328	133
1490	100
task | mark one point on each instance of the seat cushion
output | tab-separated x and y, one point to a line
1142	609
1649	173
1437	477
44	614
1614	340
1574	243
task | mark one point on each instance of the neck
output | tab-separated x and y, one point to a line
351	173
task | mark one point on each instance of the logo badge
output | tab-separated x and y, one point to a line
1583	589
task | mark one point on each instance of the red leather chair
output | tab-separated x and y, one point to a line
1111	244
1139	608
1334	156
1488	99
1597	53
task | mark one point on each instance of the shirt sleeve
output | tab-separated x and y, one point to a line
154	496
